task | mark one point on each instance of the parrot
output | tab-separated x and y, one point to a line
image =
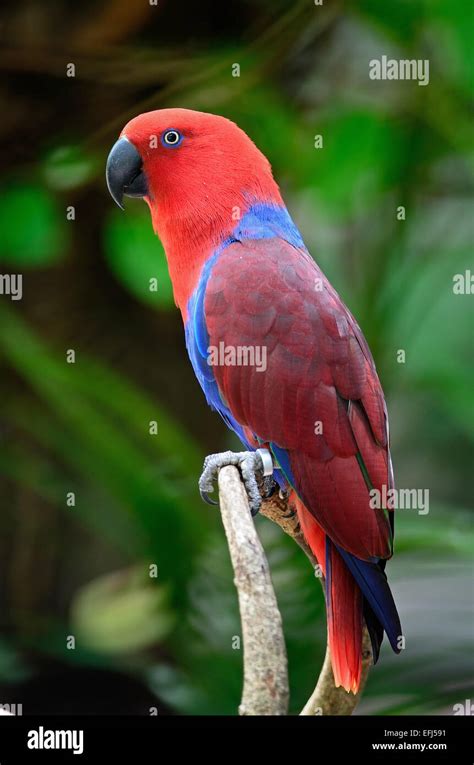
277	354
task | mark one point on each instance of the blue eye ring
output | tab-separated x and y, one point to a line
171	138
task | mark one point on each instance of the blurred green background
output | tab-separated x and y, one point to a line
81	567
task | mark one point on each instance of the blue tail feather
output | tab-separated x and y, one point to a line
373	583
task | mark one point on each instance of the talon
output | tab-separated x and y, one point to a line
249	464
207	499
254	511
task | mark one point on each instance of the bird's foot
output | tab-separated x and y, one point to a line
256	469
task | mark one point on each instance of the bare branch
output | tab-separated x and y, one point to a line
265	690
326	699
265	665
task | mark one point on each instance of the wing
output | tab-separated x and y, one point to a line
312	392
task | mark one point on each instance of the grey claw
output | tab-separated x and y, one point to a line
249	463
207	499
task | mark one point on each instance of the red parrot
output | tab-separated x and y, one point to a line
277	354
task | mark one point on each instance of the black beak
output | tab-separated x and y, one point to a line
124	172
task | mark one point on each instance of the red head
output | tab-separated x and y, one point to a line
198	173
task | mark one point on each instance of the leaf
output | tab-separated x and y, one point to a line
98	439
67	167
33	231
121	612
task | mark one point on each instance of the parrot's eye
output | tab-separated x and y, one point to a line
171	138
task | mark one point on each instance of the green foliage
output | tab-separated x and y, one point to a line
98	427
43	240
69	167
121	613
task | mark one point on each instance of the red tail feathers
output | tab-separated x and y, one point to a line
343	604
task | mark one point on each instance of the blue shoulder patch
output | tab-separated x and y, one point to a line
267	221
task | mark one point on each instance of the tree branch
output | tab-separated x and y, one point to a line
265	690
326	699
